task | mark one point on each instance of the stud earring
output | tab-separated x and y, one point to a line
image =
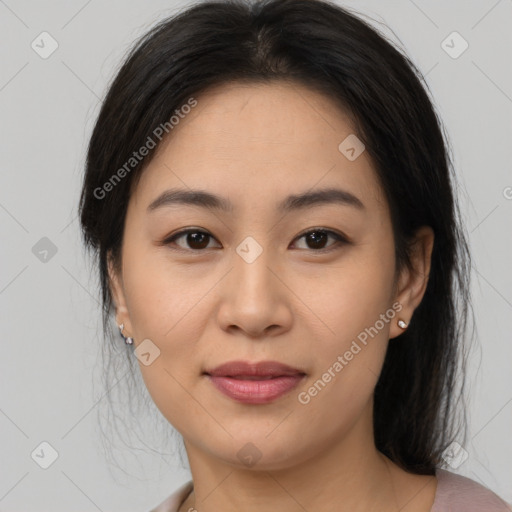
402	324
127	340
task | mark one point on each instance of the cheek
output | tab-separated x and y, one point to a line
168	310
163	298
350	296
355	304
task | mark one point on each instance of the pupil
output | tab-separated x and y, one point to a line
317	237
194	240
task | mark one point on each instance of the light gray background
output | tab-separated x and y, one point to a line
49	311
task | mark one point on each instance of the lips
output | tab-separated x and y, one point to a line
254	383
253	371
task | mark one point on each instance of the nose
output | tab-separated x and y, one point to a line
254	298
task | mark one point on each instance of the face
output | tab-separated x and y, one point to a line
308	283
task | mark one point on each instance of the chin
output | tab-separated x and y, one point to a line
262	453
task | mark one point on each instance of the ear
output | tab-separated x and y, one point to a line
412	282
118	296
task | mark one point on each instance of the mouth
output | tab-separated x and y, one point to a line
259	370
250	377
254	383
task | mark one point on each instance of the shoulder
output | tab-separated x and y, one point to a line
173	502
457	493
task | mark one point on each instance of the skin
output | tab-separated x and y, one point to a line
255	145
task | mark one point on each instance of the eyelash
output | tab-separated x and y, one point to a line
340	239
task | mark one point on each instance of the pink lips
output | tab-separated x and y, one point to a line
255	383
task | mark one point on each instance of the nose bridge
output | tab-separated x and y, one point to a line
252	300
251	268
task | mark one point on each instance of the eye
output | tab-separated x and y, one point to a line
196	239
316	239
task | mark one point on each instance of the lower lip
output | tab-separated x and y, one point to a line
255	391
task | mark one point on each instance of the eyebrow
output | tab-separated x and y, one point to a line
211	201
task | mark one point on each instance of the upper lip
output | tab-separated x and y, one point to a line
259	369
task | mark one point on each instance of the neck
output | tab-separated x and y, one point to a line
346	475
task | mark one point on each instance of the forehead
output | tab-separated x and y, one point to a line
256	142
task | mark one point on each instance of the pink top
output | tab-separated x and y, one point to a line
454	493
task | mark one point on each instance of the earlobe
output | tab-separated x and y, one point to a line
413	281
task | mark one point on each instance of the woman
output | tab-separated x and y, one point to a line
270	197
